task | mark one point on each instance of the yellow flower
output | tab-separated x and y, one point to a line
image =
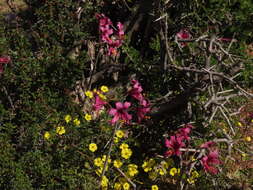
89	94
123	146
248	139
132	170
164	164
195	174
87	117
173	171
117	186
161	171
117	163
67	118
47	135
239	124
119	134
252	121
152	175
104	159
126	153
93	147
99	171
77	122
224	130
104	182
116	140
60	130
244	155
104	88
98	162
190	180
154	187
147	165
103	97
126	186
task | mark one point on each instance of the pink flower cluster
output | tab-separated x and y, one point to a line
177	141
209	161
4	60
121	110
109	36
183	34
144	105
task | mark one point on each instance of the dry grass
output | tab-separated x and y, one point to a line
4	8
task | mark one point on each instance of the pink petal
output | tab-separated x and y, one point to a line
119	105
5	59
127	105
167	143
112	111
115	119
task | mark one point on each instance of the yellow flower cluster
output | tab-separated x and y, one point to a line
147	165
90	94
155	169
99	162
192	179
68	118
162	169
126	152
123	185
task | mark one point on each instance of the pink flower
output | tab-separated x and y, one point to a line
208	144
120	112
175	143
99	103
136	90
209	161
184	132
120	30
4	60
183	34
143	109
